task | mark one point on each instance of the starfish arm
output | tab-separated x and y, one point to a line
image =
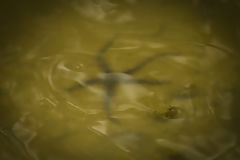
86	83
100	59
147	82
143	63
110	89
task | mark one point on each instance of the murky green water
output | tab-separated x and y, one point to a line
49	48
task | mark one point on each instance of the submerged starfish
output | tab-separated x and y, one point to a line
111	79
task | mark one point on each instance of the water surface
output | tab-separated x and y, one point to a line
56	48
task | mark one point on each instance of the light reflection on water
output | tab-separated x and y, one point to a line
182	119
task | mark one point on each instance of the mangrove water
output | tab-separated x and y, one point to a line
108	79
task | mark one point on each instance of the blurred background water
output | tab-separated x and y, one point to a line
46	47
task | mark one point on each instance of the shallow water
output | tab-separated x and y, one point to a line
188	117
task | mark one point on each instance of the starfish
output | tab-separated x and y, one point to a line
110	79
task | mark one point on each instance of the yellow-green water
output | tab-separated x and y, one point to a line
47	51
